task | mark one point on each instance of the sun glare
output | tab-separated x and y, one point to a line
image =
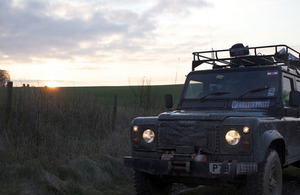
52	84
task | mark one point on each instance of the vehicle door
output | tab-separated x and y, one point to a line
292	131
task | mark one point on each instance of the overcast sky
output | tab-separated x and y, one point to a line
123	42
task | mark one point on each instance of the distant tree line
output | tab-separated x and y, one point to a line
4	77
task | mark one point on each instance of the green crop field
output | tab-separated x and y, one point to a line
128	94
63	140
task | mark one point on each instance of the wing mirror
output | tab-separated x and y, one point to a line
294	98
168	101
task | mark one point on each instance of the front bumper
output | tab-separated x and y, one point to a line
192	168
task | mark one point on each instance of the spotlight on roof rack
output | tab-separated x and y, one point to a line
239	50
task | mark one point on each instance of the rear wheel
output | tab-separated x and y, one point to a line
147	184
268	180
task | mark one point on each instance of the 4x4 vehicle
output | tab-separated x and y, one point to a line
235	123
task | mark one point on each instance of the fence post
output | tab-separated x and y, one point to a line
9	99
114	112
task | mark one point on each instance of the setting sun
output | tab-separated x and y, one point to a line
52	84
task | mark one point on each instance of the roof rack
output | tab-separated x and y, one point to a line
239	56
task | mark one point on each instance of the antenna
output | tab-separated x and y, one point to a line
209	27
176	76
177	70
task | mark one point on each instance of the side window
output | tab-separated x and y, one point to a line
286	88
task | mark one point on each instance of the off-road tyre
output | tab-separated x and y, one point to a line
146	184
268	180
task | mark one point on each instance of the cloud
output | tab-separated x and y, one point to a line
27	31
67	29
177	6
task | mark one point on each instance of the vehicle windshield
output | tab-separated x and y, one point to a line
236	85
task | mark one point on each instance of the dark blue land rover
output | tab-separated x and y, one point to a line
235	123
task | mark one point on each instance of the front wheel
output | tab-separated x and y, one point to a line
147	184
268	180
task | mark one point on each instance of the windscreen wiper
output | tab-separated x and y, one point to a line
214	93
254	91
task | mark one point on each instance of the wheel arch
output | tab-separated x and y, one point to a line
272	139
279	146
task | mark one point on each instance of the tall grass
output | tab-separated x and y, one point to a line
61	141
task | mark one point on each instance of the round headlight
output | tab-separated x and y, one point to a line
233	137
148	136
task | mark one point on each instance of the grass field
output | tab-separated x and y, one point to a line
61	140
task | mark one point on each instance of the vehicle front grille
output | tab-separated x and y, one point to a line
197	134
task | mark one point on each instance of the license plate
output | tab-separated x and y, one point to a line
215	168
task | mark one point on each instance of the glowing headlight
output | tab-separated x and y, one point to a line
148	136
232	137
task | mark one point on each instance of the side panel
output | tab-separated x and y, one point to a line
292	137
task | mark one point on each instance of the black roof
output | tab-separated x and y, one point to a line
240	56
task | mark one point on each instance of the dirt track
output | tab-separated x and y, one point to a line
291	186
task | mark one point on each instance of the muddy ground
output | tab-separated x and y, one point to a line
291	186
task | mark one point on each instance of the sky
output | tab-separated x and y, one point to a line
131	42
